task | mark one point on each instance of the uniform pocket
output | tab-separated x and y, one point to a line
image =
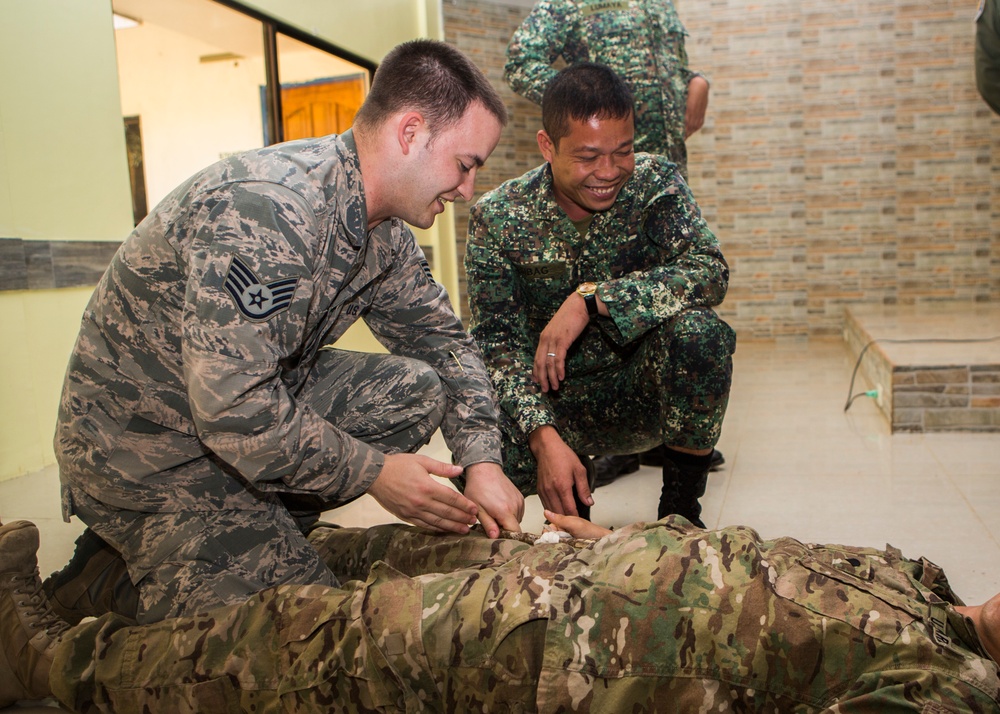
335	664
844	594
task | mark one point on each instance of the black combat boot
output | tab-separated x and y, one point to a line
29	630
94	582
654	457
582	509
609	468
685	477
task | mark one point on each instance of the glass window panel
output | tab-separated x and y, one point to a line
320	93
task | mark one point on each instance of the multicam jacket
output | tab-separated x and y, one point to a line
657	617
185	379
651	254
642	40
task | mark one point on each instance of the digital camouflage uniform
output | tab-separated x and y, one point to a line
657	371
659	617
203	422
642	40
988	52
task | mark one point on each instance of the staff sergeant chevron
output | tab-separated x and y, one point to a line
257	301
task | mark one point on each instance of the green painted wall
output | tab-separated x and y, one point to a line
63	173
63	176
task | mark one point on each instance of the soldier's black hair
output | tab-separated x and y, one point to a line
432	78
583	91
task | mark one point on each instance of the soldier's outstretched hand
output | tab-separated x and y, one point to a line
575	526
559	472
407	489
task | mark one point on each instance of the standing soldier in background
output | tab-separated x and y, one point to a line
643	41
988	52
205	422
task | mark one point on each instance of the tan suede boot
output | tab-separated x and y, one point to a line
29	630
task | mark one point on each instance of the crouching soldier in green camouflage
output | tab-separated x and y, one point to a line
591	282
204	422
658	617
643	41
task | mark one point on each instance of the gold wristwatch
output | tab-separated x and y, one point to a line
589	293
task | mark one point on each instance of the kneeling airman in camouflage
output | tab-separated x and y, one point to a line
205	422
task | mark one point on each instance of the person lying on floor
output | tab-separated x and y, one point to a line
656	616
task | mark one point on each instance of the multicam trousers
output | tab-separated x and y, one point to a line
364	647
658	617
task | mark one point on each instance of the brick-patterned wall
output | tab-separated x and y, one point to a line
481	29
846	157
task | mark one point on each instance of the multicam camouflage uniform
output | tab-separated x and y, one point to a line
201	415
660	617
642	40
657	371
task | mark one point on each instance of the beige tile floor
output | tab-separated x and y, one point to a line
796	465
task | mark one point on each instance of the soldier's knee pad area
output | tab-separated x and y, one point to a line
700	329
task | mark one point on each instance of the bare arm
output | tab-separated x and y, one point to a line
697	105
575	526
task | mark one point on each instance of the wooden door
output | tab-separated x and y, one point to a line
320	108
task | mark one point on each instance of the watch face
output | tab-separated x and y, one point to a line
587	288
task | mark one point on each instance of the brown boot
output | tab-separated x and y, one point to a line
29	630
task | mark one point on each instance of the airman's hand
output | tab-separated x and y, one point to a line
407	489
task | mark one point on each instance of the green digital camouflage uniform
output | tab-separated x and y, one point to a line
988	52
660	617
657	371
642	40
203	423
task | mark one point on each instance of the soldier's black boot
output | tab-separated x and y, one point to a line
654	457
609	468
685	477
29	630
582	509
94	582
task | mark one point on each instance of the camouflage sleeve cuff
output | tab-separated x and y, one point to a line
692	75
478	449
637	305
623	324
531	419
357	467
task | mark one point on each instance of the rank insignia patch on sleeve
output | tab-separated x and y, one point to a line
425	266
256	300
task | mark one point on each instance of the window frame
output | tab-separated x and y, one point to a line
274	130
